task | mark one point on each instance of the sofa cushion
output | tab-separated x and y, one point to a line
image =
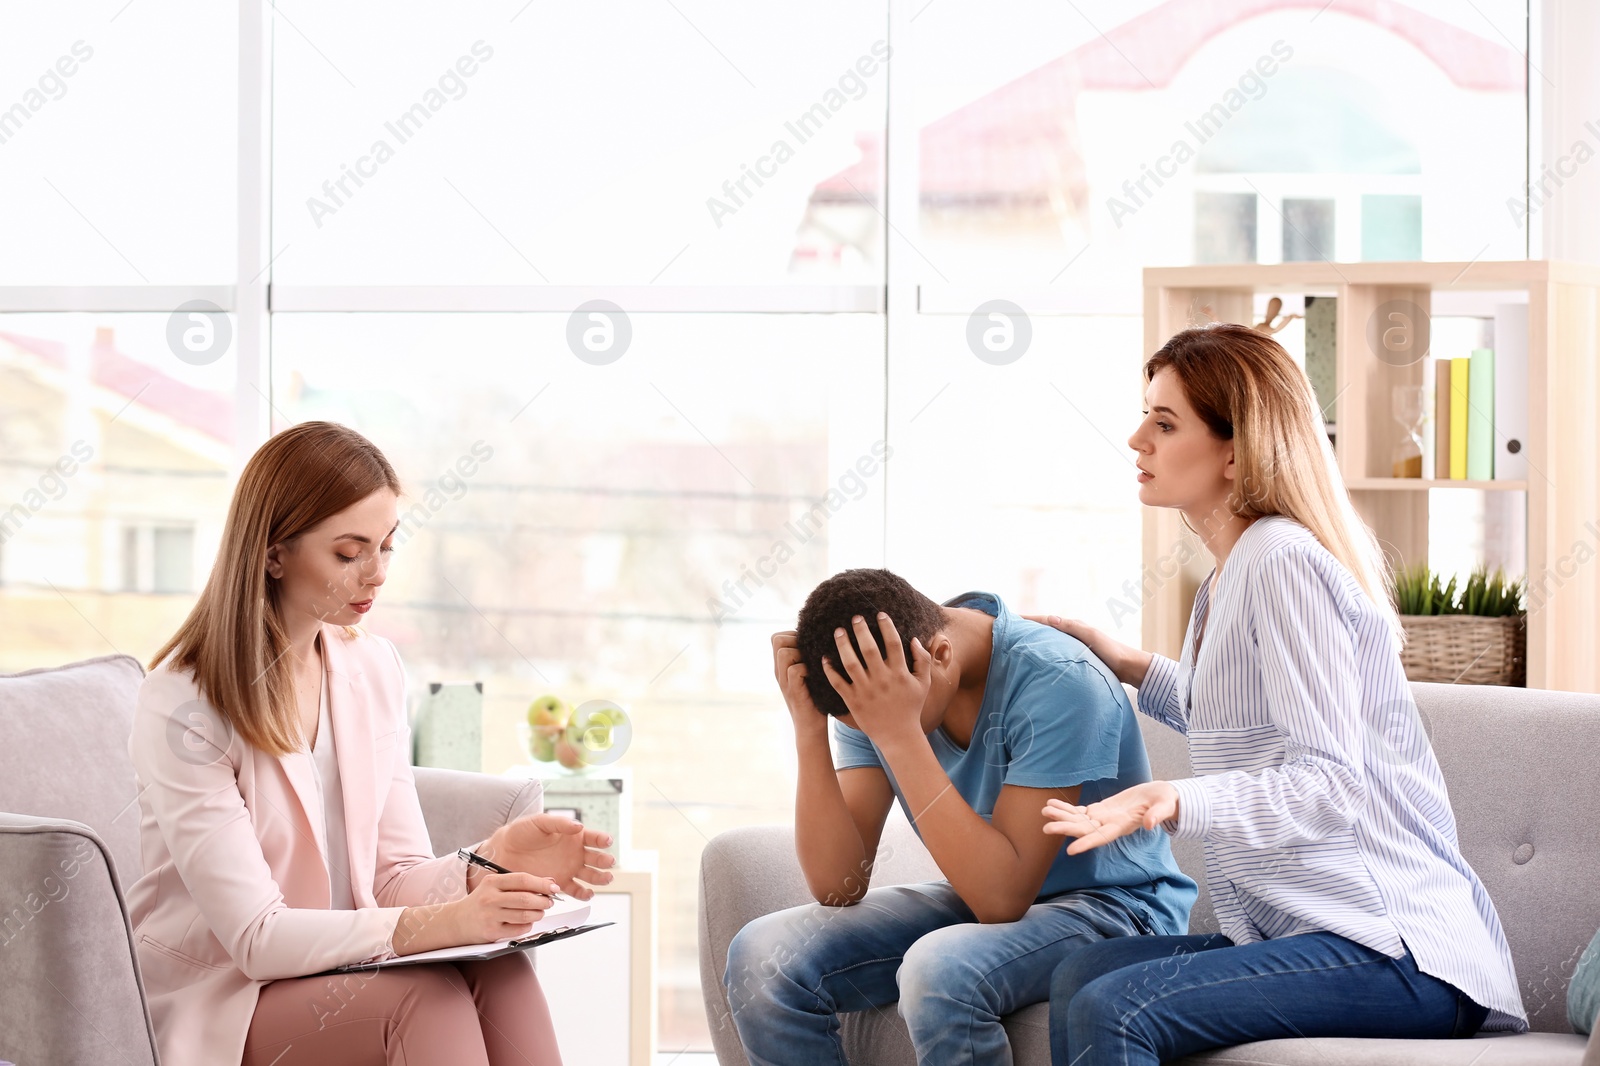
64	750
1523	1049
1519	764
879	1038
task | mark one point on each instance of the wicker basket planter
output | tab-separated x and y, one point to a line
1466	649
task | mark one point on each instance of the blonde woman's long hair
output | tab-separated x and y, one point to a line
234	642
1247	389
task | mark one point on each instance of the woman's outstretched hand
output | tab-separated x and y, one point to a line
554	846
1140	807
1130	664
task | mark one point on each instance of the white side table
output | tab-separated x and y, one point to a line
601	986
601	979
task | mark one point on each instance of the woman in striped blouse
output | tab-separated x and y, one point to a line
1345	905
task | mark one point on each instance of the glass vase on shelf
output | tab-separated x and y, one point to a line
1409	411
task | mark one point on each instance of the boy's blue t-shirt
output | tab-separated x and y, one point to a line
1053	716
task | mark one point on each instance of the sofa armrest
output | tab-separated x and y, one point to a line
745	873
70	989
463	808
1591	1051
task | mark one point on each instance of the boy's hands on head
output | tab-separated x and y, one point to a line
884	696
791	673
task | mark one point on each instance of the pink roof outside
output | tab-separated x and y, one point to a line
208	412
1018	142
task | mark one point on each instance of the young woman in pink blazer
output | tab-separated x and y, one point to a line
279	825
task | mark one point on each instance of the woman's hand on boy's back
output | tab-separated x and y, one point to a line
1130	664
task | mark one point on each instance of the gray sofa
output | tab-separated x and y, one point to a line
1523	768
69	842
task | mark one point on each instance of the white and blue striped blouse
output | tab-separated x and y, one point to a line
1318	796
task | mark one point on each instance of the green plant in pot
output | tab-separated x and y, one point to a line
1417	591
1471	633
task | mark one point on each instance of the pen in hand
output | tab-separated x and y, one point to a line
478	860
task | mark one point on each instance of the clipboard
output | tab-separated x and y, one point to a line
488	951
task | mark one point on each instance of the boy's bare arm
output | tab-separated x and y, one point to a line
839	815
997	866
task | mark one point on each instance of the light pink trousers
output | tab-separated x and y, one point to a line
472	1014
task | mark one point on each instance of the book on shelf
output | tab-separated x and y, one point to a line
1511	392
1459	398
1441	419
1321	326
1480	415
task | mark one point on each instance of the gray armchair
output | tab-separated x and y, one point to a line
70	990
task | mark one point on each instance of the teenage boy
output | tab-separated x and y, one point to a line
972	718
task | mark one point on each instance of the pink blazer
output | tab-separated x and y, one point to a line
235	890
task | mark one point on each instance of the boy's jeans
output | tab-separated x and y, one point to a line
791	973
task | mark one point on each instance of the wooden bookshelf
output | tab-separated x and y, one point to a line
1563	485
1405	484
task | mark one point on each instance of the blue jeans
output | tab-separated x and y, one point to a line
790	974
1154	998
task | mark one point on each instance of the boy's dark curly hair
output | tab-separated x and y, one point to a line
836	601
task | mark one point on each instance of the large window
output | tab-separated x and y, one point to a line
629	144
117	135
708	310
